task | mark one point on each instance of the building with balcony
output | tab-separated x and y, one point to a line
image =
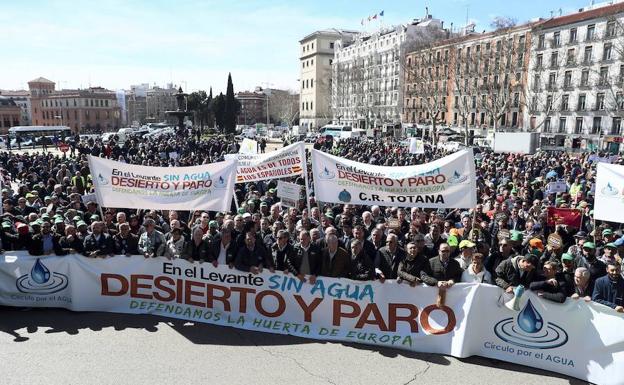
576	74
367	80
474	81
316	56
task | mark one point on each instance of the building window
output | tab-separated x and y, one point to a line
587	56
562	125
581	102
331	45
585	78
573	35
564	102
606	51
578	127
619	100
549	101
610	29
514	119
540	42
596	125
547	124
616	126
571	56
552	80
591	32
567	79
538	61
600	99
604	76
556	39
554	59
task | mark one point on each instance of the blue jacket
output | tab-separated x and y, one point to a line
609	293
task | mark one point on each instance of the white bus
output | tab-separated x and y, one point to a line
28	134
335	130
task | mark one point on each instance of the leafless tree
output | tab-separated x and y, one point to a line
425	70
503	22
283	105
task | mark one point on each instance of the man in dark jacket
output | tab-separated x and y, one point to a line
46	242
388	258
307	256
125	243
551	285
516	271
442	271
283	254
410	268
335	261
98	244
609	290
252	257
362	268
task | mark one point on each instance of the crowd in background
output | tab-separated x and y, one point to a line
501	241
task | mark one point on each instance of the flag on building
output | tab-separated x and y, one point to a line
569	217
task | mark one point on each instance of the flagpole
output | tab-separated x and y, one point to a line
305	178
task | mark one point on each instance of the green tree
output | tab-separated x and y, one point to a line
232	108
210	110
218	107
198	104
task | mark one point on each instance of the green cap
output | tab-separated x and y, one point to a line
95	217
264	204
452	241
611	245
241	210
272	190
77	218
567	257
213	224
35	223
516	236
607	232
589	245
6	225
58	220
81	223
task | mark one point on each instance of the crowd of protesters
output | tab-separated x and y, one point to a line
504	240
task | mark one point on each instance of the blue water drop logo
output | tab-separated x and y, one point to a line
456	174
344	196
529	319
40	273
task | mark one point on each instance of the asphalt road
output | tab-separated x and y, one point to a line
43	346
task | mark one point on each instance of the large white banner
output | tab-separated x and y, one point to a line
579	339
204	187
283	163
609	205
443	183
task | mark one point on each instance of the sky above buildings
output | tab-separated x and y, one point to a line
115	44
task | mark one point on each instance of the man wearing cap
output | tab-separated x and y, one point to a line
442	271
466	249
588	260
516	271
609	252
609	289
46	242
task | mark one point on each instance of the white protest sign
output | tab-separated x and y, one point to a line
248	146
86	198
609	204
289	193
448	182
205	187
556	187
283	163
577	338
416	146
